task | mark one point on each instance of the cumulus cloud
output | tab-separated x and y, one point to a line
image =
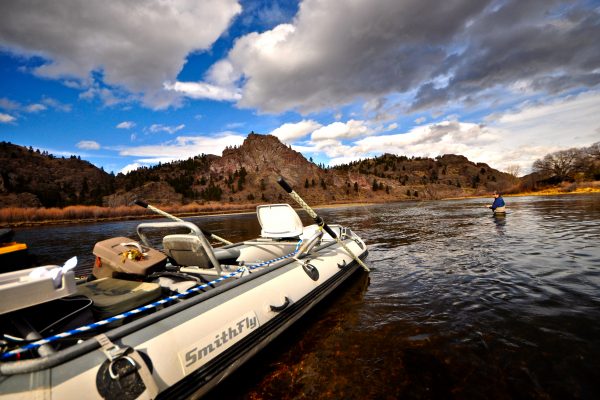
110	96
537	129
334	53
519	136
342	130
88	145
456	52
56	104
36	107
6	118
203	90
15	106
543	47
446	137
133	45
126	125
154	128
131	167
290	132
182	147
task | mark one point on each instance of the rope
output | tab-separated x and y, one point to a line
95	325
303	204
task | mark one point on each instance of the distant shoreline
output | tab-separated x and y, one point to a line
133	213
544	192
212	210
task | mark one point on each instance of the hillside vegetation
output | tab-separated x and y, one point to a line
246	175
30	178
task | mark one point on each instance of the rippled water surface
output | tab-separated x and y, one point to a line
459	304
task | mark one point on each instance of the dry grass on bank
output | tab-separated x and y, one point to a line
564	188
33	216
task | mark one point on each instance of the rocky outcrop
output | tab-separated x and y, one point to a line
265	158
157	193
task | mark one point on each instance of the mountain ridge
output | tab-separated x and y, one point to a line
242	174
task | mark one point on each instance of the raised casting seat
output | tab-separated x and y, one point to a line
279	221
187	250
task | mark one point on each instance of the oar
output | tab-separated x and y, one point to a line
211	235
318	220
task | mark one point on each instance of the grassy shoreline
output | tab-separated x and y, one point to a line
20	217
543	192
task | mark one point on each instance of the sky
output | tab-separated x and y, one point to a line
125	84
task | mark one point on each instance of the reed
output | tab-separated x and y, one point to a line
16	215
24	216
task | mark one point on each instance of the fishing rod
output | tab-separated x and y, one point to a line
318	220
211	235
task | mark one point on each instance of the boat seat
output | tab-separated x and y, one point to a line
187	250
279	221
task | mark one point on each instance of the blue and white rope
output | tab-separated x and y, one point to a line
86	328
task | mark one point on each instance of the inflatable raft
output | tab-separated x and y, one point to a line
171	322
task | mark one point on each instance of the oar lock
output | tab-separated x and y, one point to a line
311	270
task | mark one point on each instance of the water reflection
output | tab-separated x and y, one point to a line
500	221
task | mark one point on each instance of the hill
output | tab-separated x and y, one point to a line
243	174
29	178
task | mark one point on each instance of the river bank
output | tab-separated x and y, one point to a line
18	217
14	217
593	187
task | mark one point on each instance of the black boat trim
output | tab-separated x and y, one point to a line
194	381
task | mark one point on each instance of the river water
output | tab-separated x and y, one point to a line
459	304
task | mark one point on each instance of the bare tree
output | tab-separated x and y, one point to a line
560	165
594	151
514	170
592	167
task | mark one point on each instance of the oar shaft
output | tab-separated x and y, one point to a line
213	236
318	220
